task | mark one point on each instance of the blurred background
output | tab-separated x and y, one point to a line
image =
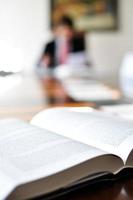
25	29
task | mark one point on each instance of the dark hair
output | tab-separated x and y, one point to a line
66	21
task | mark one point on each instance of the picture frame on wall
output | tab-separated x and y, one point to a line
88	15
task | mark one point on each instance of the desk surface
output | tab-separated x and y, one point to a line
27	97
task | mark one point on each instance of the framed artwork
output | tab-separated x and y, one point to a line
88	15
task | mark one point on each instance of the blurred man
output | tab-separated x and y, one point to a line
67	47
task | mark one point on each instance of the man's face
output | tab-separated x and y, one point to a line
64	31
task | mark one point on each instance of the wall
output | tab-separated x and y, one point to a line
24	29
107	49
23	25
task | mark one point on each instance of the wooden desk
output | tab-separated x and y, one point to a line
30	96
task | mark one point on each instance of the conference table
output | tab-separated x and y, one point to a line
23	96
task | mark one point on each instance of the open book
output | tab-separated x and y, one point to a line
62	147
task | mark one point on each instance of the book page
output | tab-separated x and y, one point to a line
6	185
28	153
124	110
94	128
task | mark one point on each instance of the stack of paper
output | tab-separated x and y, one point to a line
66	71
88	90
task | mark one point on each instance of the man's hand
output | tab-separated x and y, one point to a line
46	60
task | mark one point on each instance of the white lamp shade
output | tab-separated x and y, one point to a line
126	75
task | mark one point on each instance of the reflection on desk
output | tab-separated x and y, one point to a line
26	96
